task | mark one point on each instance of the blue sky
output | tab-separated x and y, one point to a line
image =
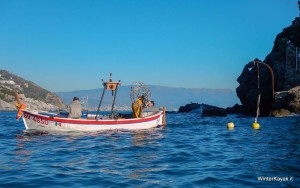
65	45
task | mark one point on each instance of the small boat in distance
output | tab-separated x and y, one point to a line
47	121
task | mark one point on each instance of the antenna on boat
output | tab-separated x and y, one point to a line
110	85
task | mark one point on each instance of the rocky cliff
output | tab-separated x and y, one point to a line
284	60
33	95
285	57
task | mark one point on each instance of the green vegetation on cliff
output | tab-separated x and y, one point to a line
10	83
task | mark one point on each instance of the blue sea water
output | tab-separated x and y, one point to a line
189	152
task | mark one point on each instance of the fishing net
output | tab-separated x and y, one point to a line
139	89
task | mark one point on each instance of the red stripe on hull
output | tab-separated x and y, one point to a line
93	122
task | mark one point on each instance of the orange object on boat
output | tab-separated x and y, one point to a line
20	106
20	110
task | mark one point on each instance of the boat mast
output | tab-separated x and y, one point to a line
110	85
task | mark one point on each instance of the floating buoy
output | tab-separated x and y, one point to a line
230	125
255	125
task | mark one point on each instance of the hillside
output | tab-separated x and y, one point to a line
34	96
170	97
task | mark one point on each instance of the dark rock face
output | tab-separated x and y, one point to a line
214	112
236	109
251	86
287	102
286	69
282	58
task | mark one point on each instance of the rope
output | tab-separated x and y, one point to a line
272	77
257	111
257	74
258	100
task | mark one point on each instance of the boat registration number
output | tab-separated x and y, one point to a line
36	119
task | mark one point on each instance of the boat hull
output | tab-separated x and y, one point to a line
34	120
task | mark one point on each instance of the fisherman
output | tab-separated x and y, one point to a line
138	105
74	109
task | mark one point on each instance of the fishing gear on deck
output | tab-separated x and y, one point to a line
140	90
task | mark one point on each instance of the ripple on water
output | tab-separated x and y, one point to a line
191	151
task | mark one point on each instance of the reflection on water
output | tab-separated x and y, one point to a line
22	154
142	162
123	153
141	138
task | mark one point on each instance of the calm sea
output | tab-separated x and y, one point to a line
189	152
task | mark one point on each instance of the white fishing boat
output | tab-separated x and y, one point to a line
47	121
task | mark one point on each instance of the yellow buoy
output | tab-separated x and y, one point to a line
230	125
255	125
